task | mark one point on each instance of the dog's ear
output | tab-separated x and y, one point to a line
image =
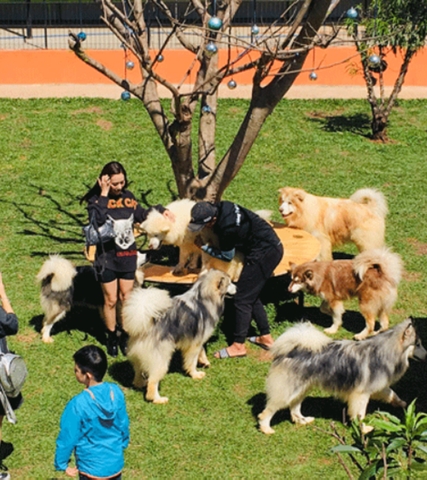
292	266
300	195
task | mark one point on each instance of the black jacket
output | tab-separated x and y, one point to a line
241	229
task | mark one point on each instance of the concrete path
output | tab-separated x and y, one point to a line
244	91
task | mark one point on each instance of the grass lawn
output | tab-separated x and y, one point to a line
52	150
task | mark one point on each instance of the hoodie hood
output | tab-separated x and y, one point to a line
103	404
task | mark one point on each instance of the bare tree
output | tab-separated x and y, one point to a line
388	25
275	56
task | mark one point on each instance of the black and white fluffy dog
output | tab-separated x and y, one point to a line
157	325
304	358
64	286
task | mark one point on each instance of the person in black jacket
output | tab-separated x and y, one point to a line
239	228
115	260
8	326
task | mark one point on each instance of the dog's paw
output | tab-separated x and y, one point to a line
300	420
179	271
362	335
160	400
266	429
197	375
47	339
331	330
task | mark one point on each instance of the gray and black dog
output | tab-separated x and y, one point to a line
355	372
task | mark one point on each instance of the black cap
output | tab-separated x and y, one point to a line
201	214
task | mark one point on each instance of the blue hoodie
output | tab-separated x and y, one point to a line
95	425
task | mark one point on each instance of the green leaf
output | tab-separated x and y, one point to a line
345	449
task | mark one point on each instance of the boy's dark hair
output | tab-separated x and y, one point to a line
92	359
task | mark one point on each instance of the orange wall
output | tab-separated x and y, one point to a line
333	67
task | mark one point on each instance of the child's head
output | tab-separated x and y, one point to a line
91	359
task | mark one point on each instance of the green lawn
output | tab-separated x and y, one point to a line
52	150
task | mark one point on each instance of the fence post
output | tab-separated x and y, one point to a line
29	20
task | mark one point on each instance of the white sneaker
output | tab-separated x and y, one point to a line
4	476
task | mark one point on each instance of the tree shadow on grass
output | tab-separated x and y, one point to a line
64	227
358	123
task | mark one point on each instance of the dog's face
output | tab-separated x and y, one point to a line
303	277
290	201
412	342
157	227
217	282
124	232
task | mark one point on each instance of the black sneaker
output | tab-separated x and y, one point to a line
123	342
112	344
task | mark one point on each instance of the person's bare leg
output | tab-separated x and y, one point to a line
110	302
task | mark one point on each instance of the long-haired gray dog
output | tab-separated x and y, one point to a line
158	324
304	358
63	286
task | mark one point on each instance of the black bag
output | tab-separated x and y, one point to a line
95	235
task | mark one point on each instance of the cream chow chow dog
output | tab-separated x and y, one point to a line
359	219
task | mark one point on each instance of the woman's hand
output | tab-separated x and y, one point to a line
104	183
169	215
71	471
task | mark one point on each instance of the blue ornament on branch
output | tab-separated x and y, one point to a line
313	76
214	23
125	96
206	109
211	49
130	65
255	29
81	36
374	59
160	58
352	13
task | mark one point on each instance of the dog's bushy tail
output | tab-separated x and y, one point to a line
59	272
303	335
388	263
143	308
373	199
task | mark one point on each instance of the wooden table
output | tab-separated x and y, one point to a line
299	247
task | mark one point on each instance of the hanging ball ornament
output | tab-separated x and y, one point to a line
313	76
231	84
130	65
160	58
255	29
206	109
125	96
81	36
374	59
211	49
215	23
352	13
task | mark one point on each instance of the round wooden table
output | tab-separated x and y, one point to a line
299	247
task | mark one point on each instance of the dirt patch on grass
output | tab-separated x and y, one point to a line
420	248
105	124
94	109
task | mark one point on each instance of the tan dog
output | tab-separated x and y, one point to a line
161	230
334	221
372	277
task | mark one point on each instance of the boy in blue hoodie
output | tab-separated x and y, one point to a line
94	424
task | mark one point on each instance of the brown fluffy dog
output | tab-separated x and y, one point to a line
334	221
372	277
